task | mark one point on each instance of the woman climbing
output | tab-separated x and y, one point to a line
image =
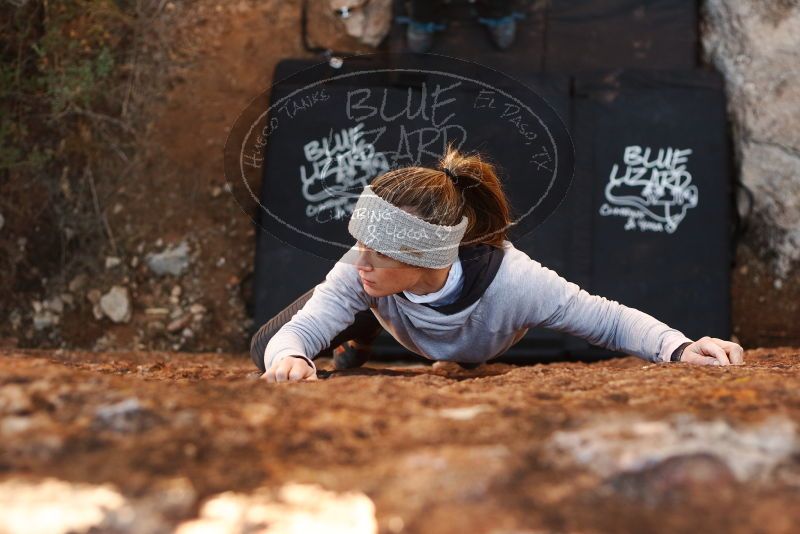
432	266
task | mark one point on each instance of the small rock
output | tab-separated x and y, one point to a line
464	413
112	261
187	333
93	296
51	505
448	367
134	262
173	261
197	309
16	319
14	400
54	304
216	191
175	295
116	304
293	508
68	299
156	312
221	261
44	319
103	342
179	324
97	311
125	416
117	208
778	283
169	498
78	283
15	424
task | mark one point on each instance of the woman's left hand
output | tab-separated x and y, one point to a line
713	351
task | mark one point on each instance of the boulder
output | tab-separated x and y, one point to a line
756	45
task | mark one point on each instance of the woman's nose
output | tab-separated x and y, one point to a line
362	262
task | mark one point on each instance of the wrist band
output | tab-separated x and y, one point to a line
678	352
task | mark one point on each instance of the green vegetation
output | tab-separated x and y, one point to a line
72	74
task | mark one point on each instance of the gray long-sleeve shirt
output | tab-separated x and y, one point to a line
523	295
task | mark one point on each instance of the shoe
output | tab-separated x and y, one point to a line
419	35
502	30
419	40
350	355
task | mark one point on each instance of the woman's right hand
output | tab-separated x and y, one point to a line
290	368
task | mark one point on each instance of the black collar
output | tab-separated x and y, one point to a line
479	264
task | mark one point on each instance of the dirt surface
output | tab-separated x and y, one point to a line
217	58
500	449
613	446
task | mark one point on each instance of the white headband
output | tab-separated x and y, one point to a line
384	227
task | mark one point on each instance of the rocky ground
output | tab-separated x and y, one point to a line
154	441
150	441
178	276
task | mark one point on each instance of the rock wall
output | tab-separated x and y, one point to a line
756	45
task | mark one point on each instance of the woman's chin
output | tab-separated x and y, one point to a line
372	291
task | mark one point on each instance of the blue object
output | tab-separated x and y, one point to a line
429	27
501	21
